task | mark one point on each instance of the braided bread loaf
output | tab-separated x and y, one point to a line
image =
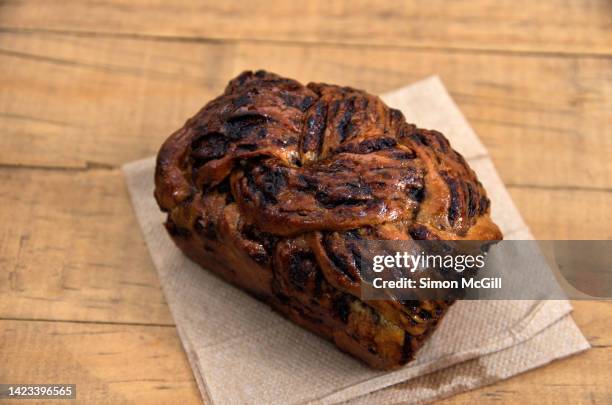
272	183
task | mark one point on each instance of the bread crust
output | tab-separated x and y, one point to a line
273	184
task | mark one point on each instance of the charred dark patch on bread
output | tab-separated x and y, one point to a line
208	147
316	122
240	125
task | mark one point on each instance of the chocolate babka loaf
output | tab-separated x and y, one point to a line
273	184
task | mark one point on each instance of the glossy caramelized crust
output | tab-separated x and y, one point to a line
273	184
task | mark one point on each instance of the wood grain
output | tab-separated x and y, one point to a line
545	120
70	102
110	364
555	26
560	213
70	249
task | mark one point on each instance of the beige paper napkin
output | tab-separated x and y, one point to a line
242	352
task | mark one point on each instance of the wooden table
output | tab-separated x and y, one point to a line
88	85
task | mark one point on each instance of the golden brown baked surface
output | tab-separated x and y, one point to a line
272	184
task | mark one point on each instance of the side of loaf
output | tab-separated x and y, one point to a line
273	185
